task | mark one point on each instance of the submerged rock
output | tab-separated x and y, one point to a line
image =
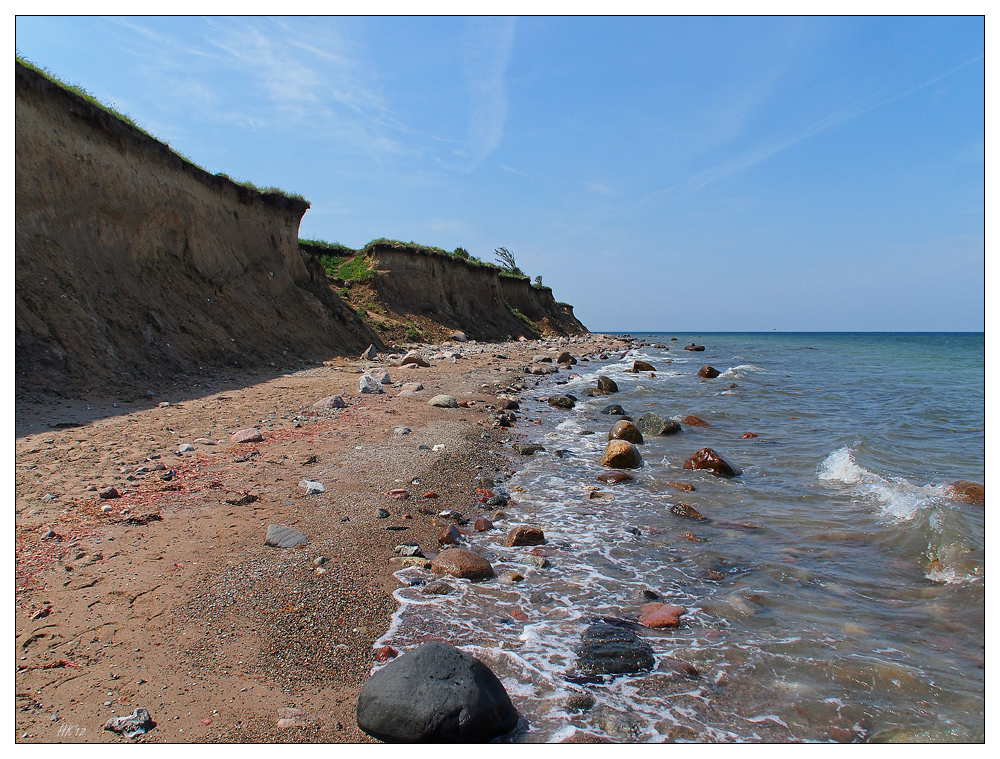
693	421
435	693
967	492
613	478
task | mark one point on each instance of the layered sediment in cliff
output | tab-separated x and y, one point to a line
133	265
419	293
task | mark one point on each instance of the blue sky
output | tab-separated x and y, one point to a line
659	173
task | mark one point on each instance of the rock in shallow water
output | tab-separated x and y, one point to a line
458	562
621	454
525	535
709	459
612	650
625	430
435	693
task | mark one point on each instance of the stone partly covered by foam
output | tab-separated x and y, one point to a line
607	649
435	694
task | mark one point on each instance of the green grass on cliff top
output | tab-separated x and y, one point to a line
126	119
460	254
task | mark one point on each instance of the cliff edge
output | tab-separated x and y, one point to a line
133	265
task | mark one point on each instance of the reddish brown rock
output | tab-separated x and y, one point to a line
525	535
251	435
692	421
519	615
625	430
450	535
748	435
692	537
656	615
430	494
708	459
708	372
458	562
642	366
968	492
621	454
686	510
613	478
681	486
483	524
109	492
503	404
385	653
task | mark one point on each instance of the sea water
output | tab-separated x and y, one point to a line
836	591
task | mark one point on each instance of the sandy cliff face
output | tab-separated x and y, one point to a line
437	294
133	265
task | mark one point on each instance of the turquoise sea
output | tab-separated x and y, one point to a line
838	590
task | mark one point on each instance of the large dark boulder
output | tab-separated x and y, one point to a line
435	694
708	372
607	649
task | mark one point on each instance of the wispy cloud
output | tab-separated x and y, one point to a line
708	176
486	49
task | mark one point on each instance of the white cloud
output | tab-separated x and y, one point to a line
486	49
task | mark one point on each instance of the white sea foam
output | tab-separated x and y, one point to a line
897	499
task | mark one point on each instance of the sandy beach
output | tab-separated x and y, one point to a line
166	597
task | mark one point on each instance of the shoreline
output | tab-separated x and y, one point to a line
167	599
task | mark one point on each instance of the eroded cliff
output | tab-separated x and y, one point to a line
133	265
408	292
